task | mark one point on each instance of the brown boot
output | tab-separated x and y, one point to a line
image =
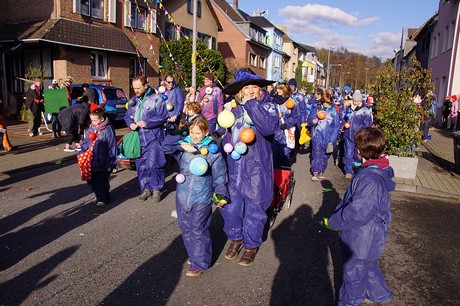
248	256
233	249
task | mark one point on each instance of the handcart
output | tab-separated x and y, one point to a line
283	191
123	161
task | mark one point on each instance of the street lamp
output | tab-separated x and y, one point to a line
328	67
365	82
340	82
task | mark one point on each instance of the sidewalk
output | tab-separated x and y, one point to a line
435	175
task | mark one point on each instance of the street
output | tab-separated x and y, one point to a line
58	248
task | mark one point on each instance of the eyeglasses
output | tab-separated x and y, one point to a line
169	82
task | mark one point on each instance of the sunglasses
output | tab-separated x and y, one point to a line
169	82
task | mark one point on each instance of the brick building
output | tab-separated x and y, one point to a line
100	41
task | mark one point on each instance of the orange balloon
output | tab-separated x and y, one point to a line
321	114
290	103
280	115
205	99
347	125
247	135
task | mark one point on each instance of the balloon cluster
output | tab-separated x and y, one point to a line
227	119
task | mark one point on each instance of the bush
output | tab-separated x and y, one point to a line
398	115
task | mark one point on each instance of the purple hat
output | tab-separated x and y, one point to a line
292	82
245	77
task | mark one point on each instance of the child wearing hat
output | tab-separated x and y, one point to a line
324	121
357	117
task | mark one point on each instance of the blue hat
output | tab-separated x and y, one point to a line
347	88
245	77
292	82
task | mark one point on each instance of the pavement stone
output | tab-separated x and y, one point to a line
435	173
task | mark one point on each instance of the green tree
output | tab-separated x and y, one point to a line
181	67
398	115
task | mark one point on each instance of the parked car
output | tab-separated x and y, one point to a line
112	96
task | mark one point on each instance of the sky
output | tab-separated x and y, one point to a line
370	27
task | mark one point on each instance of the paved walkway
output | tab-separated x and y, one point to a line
435	174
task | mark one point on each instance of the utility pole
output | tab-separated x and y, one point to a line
194	44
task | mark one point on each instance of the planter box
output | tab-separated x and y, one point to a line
404	167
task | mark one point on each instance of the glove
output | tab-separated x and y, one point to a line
188	147
330	148
219	199
326	224
283	126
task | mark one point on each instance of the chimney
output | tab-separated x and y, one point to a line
235	5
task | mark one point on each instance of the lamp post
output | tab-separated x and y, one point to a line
340	82
365	81
328	67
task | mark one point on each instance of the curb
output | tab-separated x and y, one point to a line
425	191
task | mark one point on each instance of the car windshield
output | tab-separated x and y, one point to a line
114	94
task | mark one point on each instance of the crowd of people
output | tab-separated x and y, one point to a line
227	142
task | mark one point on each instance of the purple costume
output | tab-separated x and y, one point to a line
193	199
213	106
152	110
323	132
362	219
359	119
250	180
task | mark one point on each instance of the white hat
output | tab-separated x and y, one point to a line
54	81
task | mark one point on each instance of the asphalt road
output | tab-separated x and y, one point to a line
58	248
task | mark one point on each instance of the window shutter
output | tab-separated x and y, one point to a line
153	21
112	11
127	13
76	6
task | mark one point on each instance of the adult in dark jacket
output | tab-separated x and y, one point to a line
147	114
250	178
35	106
363	218
74	121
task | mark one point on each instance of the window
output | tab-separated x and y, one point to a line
450	39
136	67
98	65
138	15
445	37
91	8
262	62
190	7
277	61
293	67
170	31
252	59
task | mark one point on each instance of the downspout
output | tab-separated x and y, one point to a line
453	55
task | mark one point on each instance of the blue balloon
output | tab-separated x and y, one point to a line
213	148
165	97
198	166
241	148
235	155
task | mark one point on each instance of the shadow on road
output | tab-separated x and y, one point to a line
306	251
16	290
19	244
154	281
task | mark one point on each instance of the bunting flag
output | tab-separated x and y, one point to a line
179	29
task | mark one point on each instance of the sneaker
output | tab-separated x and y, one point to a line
100	203
68	148
77	147
315	178
349	176
156	196
145	195
192	272
31	134
174	214
321	175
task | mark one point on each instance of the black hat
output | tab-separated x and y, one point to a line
245	77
